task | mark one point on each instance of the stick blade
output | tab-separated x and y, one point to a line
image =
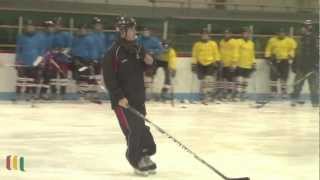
242	178
38	61
82	68
96	101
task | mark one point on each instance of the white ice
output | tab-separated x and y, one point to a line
73	141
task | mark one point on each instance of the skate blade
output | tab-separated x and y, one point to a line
141	173
152	172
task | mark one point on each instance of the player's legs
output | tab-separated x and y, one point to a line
274	76
167	79
209	81
48	74
201	74
65	67
229	85
243	75
79	69
219	83
313	81
81	73
148	80
284	73
21	74
225	82
97	67
32	72
140	141
234	84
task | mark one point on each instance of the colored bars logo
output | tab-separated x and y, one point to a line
15	163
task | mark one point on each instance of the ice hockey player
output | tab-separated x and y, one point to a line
229	56
153	46
123	72
306	65
168	61
205	62
100	45
60	52
49	67
82	52
280	51
246	63
29	49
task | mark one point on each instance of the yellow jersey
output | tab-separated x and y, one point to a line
170	56
282	49
229	52
246	53
205	53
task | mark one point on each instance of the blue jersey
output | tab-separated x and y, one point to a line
61	39
83	47
47	40
111	38
99	46
151	44
29	47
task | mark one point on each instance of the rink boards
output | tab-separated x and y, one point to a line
186	85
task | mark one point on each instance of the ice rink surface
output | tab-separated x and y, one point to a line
73	141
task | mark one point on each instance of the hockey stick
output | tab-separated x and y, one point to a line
134	111
264	103
302	79
57	66
38	61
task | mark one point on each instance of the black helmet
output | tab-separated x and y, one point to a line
227	30
83	26
282	30
308	22
245	29
145	28
48	23
30	22
96	20
204	31
123	23
165	44
58	21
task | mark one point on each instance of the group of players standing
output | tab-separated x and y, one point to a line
224	69
44	59
218	67
53	52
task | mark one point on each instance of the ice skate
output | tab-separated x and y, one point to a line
142	168
151	166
